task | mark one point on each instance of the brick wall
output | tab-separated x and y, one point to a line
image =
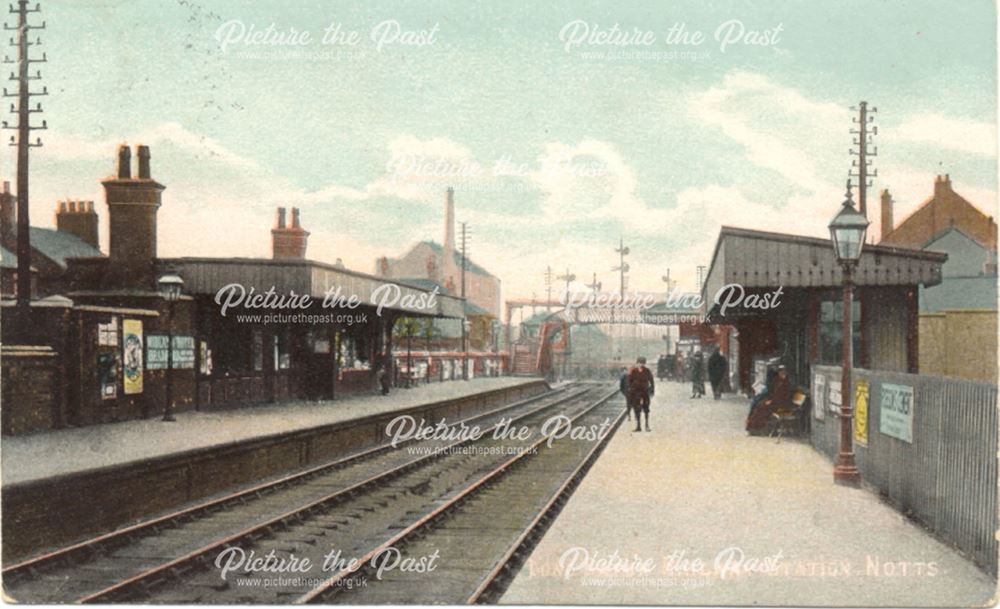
32	392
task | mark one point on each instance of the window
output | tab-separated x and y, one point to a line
831	331
257	349
282	357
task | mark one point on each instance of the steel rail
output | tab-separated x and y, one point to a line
112	593
95	544
423	521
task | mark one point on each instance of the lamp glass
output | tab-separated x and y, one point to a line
847	231
170	286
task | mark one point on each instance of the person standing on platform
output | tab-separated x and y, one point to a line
697	375
385	374
717	370
640	388
623	387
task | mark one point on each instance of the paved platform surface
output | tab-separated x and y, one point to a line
764	519
63	451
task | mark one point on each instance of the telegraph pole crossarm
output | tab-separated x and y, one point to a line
861	166
23	143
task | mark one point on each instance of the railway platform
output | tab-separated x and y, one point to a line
67	451
66	485
696	512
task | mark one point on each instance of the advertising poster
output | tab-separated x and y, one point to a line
132	356
896	411
861	412
819	396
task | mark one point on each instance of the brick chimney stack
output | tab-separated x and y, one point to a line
942	185
887	221
288	242
8	216
132	207
78	218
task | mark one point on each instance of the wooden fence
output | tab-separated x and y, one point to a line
927	443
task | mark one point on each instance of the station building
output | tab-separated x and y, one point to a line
805	327
101	333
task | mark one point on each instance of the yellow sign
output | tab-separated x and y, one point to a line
861	413
132	353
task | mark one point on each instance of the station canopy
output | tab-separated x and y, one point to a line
206	276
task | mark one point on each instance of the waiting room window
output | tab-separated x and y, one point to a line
831	317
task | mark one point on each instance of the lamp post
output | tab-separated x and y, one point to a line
170	285
847	232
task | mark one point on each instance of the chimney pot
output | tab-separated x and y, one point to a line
62	206
143	153
295	218
124	162
280	218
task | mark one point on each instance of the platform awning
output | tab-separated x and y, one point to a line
758	259
207	276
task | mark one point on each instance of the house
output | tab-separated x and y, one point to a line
75	236
959	315
442	264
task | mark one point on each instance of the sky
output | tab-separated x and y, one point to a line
563	126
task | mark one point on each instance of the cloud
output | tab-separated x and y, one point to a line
592	180
778	127
950	133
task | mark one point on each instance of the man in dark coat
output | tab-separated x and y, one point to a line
717	370
640	388
697	375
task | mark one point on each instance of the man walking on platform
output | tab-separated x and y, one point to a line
718	368
640	388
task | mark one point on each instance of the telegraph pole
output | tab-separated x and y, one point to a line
862	165
465	316
548	287
622	267
666	279
595	285
23	144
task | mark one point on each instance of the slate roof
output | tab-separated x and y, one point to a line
470	266
8	259
58	246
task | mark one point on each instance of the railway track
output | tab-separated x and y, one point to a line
479	537
126	562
